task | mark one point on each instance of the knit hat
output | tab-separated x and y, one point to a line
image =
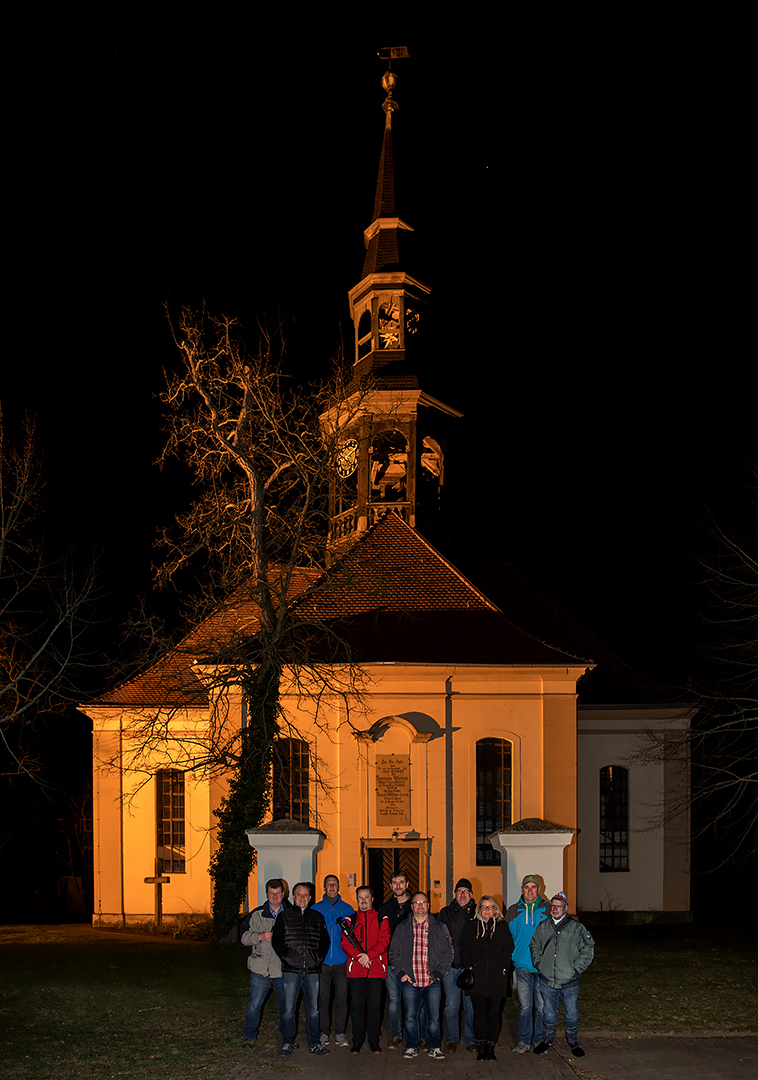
561	898
464	883
528	878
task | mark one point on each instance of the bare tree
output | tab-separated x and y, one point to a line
242	554
725	736
721	747
44	611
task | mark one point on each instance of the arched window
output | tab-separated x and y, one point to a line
389	467
364	334
291	780
493	795
614	819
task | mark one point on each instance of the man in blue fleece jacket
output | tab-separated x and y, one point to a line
333	907
523	919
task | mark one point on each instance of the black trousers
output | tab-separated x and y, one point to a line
486	1017
332	973
366	992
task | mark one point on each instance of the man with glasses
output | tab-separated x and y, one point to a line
421	954
301	941
455	916
562	950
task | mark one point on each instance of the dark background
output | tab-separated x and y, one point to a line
579	205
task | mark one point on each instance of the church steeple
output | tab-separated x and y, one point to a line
388	303
392	449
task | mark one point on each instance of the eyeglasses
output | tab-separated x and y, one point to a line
419	903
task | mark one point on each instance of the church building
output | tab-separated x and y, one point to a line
470	741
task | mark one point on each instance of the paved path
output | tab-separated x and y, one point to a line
607	1058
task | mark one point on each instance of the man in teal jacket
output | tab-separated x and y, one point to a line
523	919
562	950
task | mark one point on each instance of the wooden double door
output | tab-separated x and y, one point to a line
381	862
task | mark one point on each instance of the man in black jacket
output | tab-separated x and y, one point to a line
395	911
455	916
301	941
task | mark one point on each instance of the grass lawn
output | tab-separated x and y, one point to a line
105	1006
672	978
76	1004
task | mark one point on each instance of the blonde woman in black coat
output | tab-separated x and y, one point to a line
486	946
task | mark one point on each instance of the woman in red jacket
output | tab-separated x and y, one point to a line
366	967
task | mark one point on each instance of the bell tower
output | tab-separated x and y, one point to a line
391	436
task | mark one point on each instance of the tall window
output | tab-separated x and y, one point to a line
291	780
169	814
493	796
614	819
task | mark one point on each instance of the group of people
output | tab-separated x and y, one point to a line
466	951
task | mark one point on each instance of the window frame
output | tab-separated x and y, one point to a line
170	789
613	819
486	855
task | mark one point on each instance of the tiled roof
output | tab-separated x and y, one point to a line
612	683
392	597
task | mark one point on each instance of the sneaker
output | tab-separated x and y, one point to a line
248	1044
395	1043
472	1048
522	1048
436	1053
411	1052
287	1048
324	1038
542	1047
576	1050
318	1050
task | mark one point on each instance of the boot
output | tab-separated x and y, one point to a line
491	1052
481	1053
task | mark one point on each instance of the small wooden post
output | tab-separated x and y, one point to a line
159	881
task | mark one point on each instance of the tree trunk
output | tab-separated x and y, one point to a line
247	802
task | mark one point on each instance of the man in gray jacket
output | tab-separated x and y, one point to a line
562	950
265	966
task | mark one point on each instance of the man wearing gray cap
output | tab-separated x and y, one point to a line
562	950
523	918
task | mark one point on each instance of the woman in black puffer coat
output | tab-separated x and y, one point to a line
486	946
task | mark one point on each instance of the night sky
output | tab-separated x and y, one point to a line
580	221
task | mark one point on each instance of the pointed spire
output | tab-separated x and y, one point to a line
382	248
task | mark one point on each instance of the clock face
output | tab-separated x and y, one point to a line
347	458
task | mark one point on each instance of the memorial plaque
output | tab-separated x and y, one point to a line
393	789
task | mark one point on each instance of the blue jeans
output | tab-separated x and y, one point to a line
259	988
394	1006
414	999
550	998
292	984
452	1008
530	1006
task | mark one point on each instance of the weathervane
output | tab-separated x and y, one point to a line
389	79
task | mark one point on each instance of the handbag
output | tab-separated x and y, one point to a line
465	980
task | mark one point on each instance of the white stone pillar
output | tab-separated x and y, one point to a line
532	846
286	849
